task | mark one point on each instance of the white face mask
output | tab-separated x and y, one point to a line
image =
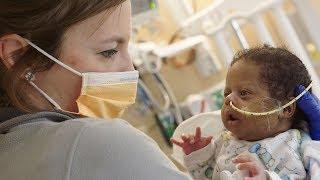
103	95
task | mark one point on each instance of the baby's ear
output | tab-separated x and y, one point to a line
288	112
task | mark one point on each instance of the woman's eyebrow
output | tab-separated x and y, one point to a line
114	38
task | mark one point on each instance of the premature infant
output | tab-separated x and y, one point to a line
273	146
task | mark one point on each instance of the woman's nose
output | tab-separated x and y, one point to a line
127	64
130	65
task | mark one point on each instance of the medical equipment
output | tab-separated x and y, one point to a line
103	94
165	111
194	104
170	118
148	59
310	105
180	9
211	123
143	10
209	100
314	53
197	27
167	114
265	106
310	19
237	29
151	55
148	56
226	12
215	96
206	61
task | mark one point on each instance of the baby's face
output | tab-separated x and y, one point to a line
244	88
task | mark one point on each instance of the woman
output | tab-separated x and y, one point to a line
60	60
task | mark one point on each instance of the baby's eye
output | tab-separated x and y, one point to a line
244	93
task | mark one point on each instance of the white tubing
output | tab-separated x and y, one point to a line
291	36
180	46
201	14
179	9
228	19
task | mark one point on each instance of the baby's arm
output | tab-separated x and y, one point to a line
284	165
310	153
257	171
311	158
200	163
198	155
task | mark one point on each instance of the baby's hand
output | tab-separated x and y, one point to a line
252	165
192	142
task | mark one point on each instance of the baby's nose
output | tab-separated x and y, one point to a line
231	97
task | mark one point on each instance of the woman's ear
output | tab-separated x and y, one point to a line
289	111
8	45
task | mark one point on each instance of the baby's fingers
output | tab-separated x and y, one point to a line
178	143
249	166
242	158
198	134
208	139
185	138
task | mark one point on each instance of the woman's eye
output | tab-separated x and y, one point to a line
109	53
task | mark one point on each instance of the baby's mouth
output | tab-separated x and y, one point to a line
233	118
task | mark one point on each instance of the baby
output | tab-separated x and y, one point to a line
273	146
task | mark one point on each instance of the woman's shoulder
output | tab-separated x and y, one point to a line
116	136
88	132
107	130
116	150
88	148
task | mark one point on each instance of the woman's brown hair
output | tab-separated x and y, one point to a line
43	22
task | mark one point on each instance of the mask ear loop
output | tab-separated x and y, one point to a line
30	78
53	58
30	75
